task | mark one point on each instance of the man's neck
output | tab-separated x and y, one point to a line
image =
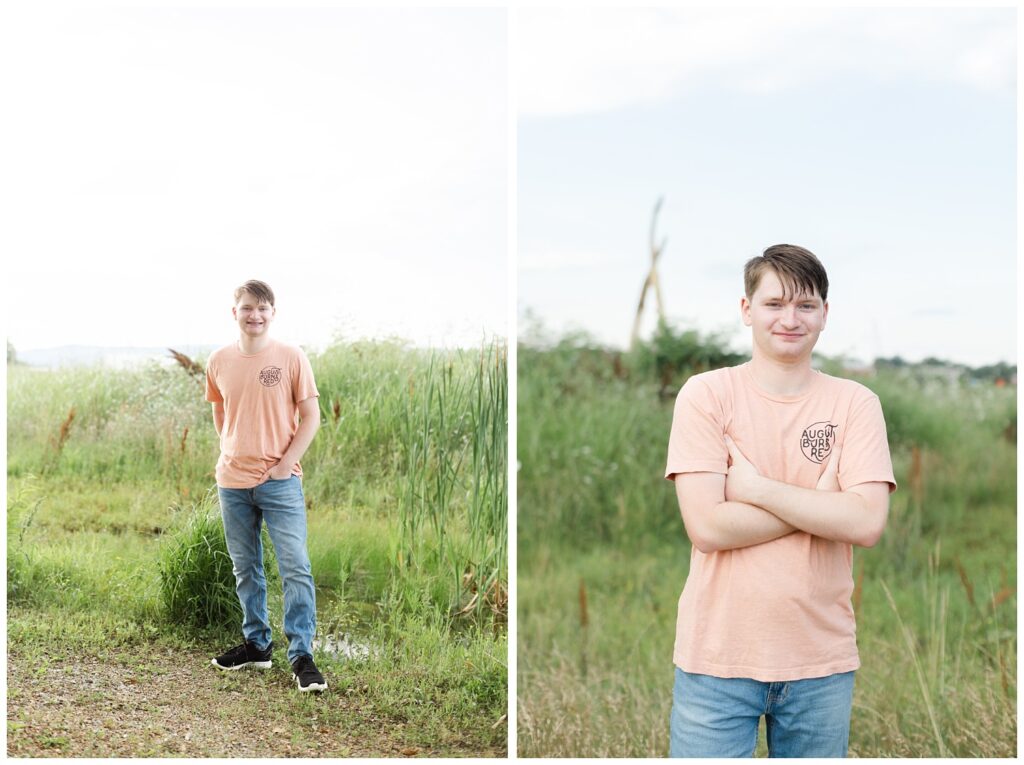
781	378
250	346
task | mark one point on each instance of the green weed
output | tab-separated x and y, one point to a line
197	585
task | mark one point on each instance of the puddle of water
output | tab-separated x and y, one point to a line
344	646
344	625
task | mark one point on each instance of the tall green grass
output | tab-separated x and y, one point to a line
457	425
197	583
422	432
590	443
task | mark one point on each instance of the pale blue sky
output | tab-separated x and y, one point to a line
882	140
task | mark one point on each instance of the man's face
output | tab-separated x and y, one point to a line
253	316
783	328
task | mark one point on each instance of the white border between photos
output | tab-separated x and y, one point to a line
511	223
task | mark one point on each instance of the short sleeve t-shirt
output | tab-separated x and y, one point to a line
780	610
260	393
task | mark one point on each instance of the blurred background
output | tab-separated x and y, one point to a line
660	149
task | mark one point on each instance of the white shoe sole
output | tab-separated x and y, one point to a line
247	665
310	687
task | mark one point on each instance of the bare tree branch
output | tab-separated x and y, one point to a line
652	281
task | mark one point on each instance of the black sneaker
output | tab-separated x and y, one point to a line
308	677
244	655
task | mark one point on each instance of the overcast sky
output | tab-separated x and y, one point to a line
883	140
356	160
154	159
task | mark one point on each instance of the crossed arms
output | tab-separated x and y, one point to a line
743	508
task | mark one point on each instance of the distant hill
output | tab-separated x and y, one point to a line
88	355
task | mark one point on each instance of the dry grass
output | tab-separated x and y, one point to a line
65	432
190	366
606	715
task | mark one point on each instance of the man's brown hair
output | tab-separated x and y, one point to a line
259	290
798	271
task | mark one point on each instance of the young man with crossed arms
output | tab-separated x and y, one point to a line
779	470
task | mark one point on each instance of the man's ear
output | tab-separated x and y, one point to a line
824	316
745	311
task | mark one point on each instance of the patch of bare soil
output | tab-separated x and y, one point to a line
163	703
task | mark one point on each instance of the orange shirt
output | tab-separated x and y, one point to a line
779	610
260	394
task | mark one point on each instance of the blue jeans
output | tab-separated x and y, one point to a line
718	716
282	505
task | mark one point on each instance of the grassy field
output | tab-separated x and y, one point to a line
115	553
603	557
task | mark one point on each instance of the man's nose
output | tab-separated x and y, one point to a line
789	316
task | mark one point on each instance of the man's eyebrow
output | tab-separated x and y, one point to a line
805	298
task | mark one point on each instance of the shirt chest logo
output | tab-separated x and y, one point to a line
270	376
817	441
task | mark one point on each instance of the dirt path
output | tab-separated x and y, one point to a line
162	703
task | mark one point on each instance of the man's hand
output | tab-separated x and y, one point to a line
279	472
829	480
742	480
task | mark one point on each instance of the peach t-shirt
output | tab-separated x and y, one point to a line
260	393
779	610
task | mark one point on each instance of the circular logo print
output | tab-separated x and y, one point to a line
817	440
270	376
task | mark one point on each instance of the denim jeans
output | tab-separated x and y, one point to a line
282	505
718	716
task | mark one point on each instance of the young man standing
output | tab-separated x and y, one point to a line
779	469
257	386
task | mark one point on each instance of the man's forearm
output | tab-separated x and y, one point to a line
731	525
836	515
301	440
